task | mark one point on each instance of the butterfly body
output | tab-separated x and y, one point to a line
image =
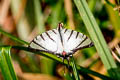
61	41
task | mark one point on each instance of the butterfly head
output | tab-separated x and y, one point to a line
64	53
60	26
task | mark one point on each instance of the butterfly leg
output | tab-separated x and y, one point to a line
68	62
69	67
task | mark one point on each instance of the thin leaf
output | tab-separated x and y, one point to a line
6	64
108	2
53	57
13	37
68	76
76	75
97	38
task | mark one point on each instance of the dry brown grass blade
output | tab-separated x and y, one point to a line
115	55
113	43
33	76
6	20
20	11
4	9
118	49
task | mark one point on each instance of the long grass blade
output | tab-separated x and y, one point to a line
75	72
6	64
67	76
13	37
97	38
53	57
108	2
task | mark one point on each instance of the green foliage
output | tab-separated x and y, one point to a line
75	71
13	37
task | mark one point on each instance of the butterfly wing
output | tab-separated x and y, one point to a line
74	41
46	41
50	41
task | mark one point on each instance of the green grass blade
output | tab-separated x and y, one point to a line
81	69
97	38
67	76
13	37
53	57
4	67
9	62
76	75
108	2
88	71
6	64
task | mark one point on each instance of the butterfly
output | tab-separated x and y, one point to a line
61	42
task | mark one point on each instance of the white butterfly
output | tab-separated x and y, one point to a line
61	42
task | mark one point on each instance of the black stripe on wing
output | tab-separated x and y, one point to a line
42	37
47	51
70	35
65	30
86	46
77	35
49	36
38	44
59	30
82	35
82	41
54	31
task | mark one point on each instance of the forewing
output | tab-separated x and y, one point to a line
74	41
46	41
